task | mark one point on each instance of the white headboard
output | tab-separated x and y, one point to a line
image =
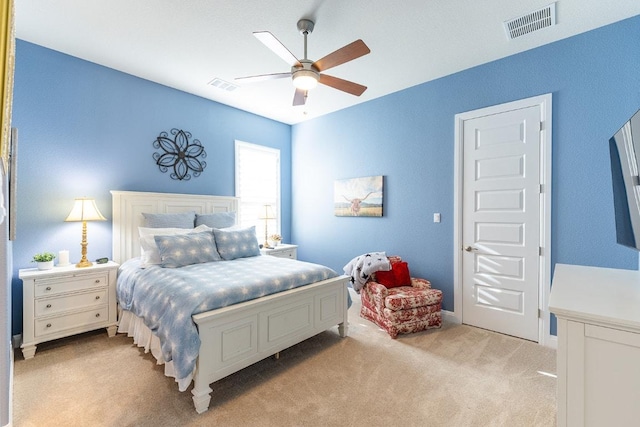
128	206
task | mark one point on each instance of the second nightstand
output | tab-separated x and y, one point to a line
282	251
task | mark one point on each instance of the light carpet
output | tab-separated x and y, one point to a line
454	376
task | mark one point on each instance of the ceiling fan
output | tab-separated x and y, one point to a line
306	74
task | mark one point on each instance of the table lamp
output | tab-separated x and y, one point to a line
267	214
85	210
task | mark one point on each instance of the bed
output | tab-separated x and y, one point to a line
234	336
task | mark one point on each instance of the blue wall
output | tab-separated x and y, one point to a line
85	129
408	137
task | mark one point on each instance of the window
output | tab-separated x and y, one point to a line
257	185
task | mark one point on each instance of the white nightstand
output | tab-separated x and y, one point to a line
65	301
282	251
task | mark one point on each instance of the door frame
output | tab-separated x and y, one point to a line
544	277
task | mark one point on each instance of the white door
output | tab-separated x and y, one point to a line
501	221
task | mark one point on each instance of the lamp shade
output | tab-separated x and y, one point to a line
267	213
85	209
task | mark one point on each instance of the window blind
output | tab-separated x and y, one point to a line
258	184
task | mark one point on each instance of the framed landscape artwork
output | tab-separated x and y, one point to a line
358	196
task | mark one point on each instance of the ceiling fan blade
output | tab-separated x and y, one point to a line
344	54
263	77
300	97
343	85
270	41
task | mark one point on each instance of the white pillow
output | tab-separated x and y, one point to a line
149	249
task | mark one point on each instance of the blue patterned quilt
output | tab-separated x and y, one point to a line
166	298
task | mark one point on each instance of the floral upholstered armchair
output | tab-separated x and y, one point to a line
399	303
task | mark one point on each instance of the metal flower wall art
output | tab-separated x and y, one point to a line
182	154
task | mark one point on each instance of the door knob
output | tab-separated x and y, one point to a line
469	248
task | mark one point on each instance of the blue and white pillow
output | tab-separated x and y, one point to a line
216	219
186	249
169	220
239	243
149	254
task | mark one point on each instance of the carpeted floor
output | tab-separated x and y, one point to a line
454	376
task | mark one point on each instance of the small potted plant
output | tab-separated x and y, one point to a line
44	260
275	239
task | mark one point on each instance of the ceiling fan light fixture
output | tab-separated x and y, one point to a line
305	79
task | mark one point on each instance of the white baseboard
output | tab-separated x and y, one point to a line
551	341
16	341
448	316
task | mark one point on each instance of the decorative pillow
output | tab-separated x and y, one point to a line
172	220
185	249
240	243
216	219
150	254
397	276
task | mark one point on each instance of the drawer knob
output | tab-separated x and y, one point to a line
48	288
97	280
48	325
48	305
97	296
97	314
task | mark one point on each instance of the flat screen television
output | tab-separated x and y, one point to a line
624	148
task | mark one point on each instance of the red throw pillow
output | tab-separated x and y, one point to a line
386	278
401	271
398	276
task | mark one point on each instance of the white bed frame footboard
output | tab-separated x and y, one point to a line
237	336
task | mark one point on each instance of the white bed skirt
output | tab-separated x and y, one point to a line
133	326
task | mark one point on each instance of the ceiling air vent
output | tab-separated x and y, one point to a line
534	21
223	85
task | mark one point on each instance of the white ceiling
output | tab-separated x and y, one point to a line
186	44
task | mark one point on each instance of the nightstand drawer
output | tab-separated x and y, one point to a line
282	251
75	320
289	253
69	283
47	306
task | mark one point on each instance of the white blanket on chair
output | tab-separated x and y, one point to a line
361	267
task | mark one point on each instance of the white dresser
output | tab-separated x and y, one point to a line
598	311
283	251
65	301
